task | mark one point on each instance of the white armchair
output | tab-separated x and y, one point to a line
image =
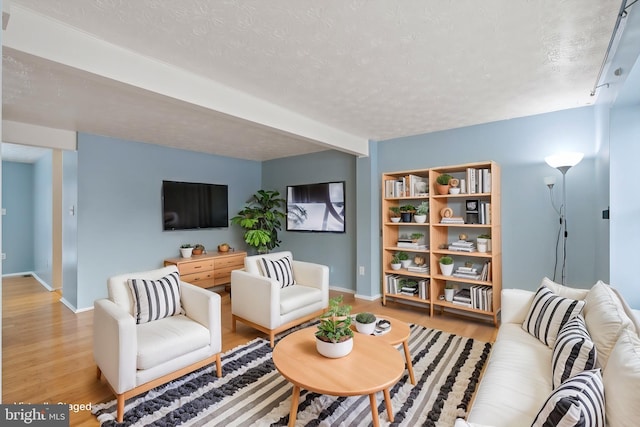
135	358
265	304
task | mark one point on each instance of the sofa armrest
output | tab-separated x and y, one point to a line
515	305
115	344
255	298
203	306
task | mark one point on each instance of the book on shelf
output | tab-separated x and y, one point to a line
463	304
452	220
478	180
466	276
418	268
423	289
462	246
410	245
481	297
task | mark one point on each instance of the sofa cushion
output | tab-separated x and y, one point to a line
605	318
564	291
548	313
577	402
155	299
573	351
279	270
169	338
621	378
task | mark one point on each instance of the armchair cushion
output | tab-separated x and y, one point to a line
155	299
295	297
279	270
167	339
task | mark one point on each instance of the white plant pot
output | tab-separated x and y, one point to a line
448	294
446	269
366	328
454	190
405	263
396	266
395	219
186	252
420	218
487	243
334	350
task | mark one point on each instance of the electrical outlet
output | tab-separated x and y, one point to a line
4	256
362	270
4	211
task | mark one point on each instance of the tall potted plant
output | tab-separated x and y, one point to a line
334	337
262	219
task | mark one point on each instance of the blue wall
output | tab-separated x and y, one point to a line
529	224
70	227
17	224
119	206
336	250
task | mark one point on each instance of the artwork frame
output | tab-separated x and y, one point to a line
317	207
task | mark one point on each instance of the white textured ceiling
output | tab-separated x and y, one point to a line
370	69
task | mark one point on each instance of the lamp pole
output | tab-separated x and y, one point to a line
563	221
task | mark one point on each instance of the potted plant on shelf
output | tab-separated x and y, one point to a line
186	250
365	323
406	211
484	239
395	263
404	259
334	337
262	219
449	291
416	236
446	265
394	213
198	249
223	247
442	183
422	210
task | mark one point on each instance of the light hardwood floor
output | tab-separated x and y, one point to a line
47	349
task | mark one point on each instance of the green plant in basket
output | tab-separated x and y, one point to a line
335	323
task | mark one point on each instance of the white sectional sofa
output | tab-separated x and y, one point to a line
518	378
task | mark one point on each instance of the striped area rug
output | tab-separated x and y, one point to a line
251	392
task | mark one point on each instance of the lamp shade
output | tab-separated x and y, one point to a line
566	160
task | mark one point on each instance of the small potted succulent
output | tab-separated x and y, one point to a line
406	212
484	239
365	323
404	259
394	214
395	263
416	236
223	247
198	249
186	250
422	210
449	291
334	337
446	265
442	183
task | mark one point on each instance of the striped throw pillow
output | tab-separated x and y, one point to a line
279	270
155	299
573	351
548	313
577	402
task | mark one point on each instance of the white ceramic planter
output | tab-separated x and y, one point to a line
366	328
448	294
396	266
186	252
334	350
446	269
421	219
454	190
405	263
395	219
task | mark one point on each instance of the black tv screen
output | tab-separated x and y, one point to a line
191	205
316	207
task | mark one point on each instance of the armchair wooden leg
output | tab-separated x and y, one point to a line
218	365
120	413
99	373
272	338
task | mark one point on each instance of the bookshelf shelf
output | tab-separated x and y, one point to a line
477	207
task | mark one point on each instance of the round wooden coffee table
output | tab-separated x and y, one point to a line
398	334
373	365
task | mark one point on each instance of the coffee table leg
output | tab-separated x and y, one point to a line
374	410
387	402
295	398
407	355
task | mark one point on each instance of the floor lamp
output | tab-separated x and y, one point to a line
563	162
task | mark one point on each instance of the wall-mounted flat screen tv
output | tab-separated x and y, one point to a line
316	207
191	205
